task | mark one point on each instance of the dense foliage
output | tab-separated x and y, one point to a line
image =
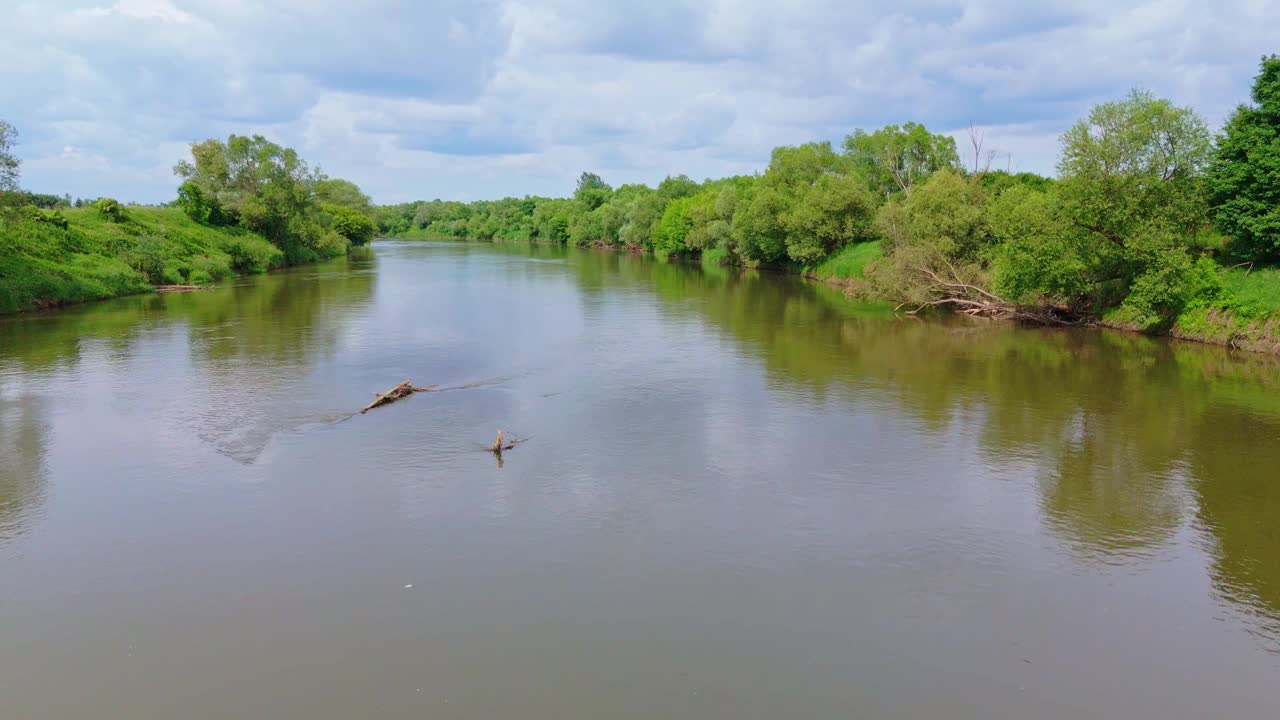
1244	177
245	206
1126	230
1150	221
258	185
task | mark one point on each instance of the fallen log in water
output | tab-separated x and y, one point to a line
404	389
180	288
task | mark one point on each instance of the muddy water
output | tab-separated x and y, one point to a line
742	497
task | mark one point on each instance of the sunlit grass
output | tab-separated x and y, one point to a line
850	262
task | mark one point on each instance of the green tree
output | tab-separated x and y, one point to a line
949	213
552	220
938	243
676	186
1132	190
710	226
670	233
1244	176
757	230
1035	260
9	163
199	206
592	192
266	188
642	213
772	224
336	191
833	211
1135	162
895	158
351	224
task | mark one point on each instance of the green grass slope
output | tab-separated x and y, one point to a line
848	263
49	259
1245	315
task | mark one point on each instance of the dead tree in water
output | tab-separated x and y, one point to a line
959	290
403	390
501	443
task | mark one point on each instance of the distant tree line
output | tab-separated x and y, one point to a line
1146	210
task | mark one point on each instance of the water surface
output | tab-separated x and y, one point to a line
742	497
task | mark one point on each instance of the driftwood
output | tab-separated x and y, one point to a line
403	390
502	442
180	288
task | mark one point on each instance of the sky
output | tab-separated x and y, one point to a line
486	98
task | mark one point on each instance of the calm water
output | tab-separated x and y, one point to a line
742	497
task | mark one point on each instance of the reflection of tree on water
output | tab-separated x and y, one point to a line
22	462
245	348
1237	470
252	349
1130	437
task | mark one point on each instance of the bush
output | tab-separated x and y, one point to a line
111	210
250	254
199	206
353	225
211	269
149	256
34	214
1168	286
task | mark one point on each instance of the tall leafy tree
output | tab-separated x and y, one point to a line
592	192
1133	163
261	186
895	158
336	191
1244	177
9	163
1132	197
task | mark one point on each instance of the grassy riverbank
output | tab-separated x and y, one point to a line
76	255
1243	314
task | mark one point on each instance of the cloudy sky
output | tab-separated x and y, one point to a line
480	99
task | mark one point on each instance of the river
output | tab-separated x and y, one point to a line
741	496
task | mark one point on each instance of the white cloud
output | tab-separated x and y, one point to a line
469	99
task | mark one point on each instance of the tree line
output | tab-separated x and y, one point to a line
1147	211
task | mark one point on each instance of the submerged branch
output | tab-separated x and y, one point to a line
403	390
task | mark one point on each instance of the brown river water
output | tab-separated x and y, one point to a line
742	496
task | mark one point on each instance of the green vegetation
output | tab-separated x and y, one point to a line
1244	178
255	184
1143	227
849	263
1150	224
9	164
244	206
48	258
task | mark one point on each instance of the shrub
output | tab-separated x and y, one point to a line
111	210
353	225
149	256
251	254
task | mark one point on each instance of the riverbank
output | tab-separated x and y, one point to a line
48	259
1245	315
